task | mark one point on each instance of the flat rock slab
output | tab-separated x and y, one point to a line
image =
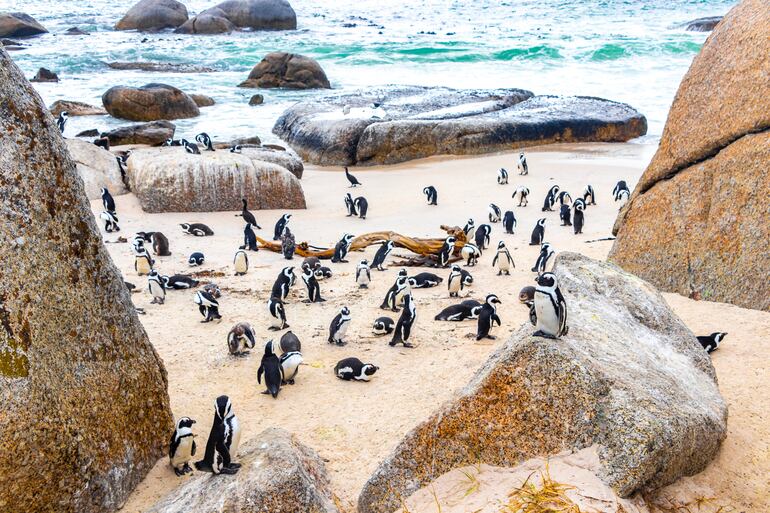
97	167
154	133
161	67
416	122
629	378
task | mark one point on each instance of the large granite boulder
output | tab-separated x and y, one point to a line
278	475
97	167
74	108
697	220
289	70
84	408
169	179
154	133
153	15
244	15
149	102
416	122
19	24
629	378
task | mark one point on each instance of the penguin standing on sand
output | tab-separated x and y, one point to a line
588	195
190	148
108	202
363	275
455	281
509	221
143	263
493	213
352	179
538	233
182	447
156	288
564	215
503	260
110	221
354	369
469	227
711	342
431	194
487	318
470	253
341	249
550	308
382	254
391	297
522	165
339	327
224	439
564	198
288	244
577	218
446	251
502	176
619	188
404	290
241	339
205	141
404	326
272	370
523	194
482	236
280	225
546	252
283	283
207	305
241	262
622	197
313	289
278	314
350	205
362	206
159	244
247	215
249	239
550	198
290	362
383	326
61	121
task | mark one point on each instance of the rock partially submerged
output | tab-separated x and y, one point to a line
201	100
416	122
97	167
152	134
244	15
278	475
149	102
19	24
45	75
703	24
74	108
629	378
153	15
171	180
161	67
287	70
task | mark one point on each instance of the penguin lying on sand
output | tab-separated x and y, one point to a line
354	369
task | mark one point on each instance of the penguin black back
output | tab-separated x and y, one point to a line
272	371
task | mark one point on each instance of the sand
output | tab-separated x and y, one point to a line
354	425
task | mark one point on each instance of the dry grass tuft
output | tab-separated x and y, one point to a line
547	497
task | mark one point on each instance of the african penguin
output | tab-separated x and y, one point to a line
283	283
190	147
224	439
159	244
362	206
382	254
322	272
431	194
503	260
196	259
538	233
204	139
179	282
469	227
107	200
354	369
619	187
339	327
350	205
482	236
565	214
493	213
197	229
578	217
390	301
523	194
272	370
502	176
488	317
341	248
550	308
207	305
182	446
383	326
426	280
241	262
550	198
445	252
470	253
290	362
509	221
280	225
404	325
363	276
711	342
110	221
156	288
61	121
564	198
241	339
278	314
622	197
588	195
236	148
455	281
546	252
313	289
522	165
459	312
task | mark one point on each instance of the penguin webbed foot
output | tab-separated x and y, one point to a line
229	471
179	471
540	333
408	345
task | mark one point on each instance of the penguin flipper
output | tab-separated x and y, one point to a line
194	448
259	374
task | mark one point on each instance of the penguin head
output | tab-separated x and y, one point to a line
501	245
492	299
105	192
450	241
546	280
471	222
390	244
202	137
541	222
402	273
185	226
223	408
456	268
269	348
184	422
64	115
467	278
288	272
412	282
286	217
347	238
345	310
185	142
718	337
168	142
527	294
363	263
235	148
369	369
521	155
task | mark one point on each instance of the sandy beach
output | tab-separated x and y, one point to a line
354	425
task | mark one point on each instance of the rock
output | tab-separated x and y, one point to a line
91	132
257	99
201	100
703	24
416	122
75	363
150	102
242	14
75	31
253	141
697	220
153	15
282	157
153	134
163	67
278	474
74	108
624	380
19	24
288	70
212	21
10	42
170	180
45	75
97	167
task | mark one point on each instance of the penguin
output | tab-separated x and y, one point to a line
224	439
404	290
404	326
241	262
527	298
249	239
363	276
142	264
509	221
196	259
550	308
354	369
482	236
213	289
190	148
350	205
390	301
538	233
205	141
466	277
342	248
469	227
197	229
339	327
278	313
426	280
172	142
523	194
619	187
431	194
241	340
122	161
488	317
362	206
455	281
182	446
322	272
588	195
271	368
546	252
352	179
290	362
107	200
248	216
129	286
382	254
236	148
280	225
110	221
61	121
159	244
156	288
522	165
283	283
445	253
207	305
102	142
502	176
459	312
290	342
564	198
313	289
288	244
622	197
137	244
503	260
383	326
494	213
470	253
550	198
578	217
564	215
179	282
711	342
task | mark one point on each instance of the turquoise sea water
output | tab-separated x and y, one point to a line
631	51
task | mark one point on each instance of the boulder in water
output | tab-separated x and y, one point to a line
161	67
76	31
45	75
287	70
153	15
74	108
242	14
212	21
703	24
256	99
201	100
152	134
19	24
97	167
149	102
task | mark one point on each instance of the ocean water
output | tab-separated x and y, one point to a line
633	51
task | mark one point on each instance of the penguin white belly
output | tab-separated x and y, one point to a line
241	265
503	263
454	284
341	331
547	317
142	266
290	366
183	452
156	290
363	376
276	322
362	279
235	426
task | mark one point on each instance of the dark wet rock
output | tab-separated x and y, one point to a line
414	122
703	24
19	24
212	21
153	134
274	147
150	15
45	75
242	14
257	99
74	108
150	102
10	42
243	141
93	132
287	70
164	67
76	31
201	100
